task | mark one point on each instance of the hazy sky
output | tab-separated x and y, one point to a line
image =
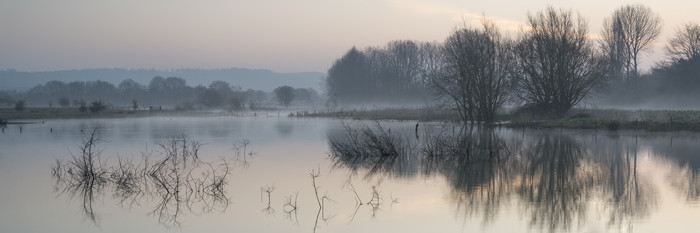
285	35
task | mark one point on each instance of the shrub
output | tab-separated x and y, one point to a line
613	125
19	105
97	106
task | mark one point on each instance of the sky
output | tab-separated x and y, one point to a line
283	36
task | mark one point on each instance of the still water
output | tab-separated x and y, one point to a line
270	174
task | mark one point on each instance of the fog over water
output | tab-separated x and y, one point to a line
362	116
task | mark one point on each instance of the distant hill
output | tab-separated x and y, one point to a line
264	80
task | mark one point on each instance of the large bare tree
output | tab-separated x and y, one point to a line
629	31
685	44
479	63
558	64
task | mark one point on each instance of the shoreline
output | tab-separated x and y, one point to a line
594	119
10	116
598	119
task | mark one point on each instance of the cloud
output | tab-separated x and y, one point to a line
456	14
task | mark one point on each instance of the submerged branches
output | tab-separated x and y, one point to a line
377	149
241	153
83	175
314	175
129	181
180	180
179	151
289	207
176	178
268	189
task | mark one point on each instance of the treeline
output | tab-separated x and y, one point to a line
398	71
672	85
548	68
171	92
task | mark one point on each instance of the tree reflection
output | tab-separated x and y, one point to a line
176	179
476	164
554	177
683	153
556	181
627	195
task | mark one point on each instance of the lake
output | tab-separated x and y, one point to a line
279	174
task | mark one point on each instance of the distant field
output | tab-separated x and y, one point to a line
52	113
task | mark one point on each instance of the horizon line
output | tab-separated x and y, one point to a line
155	69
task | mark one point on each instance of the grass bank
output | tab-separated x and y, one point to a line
613	119
399	113
9	115
604	119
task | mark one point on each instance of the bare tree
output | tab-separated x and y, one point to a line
685	44
559	65
478	72
401	67
432	63
629	31
613	43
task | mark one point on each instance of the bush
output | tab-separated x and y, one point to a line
613	125
19	105
64	102
97	106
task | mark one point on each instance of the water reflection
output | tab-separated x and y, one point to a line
284	128
477	165
172	177
629	196
557	181
553	177
683	153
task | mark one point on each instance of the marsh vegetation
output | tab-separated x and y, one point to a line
172	177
